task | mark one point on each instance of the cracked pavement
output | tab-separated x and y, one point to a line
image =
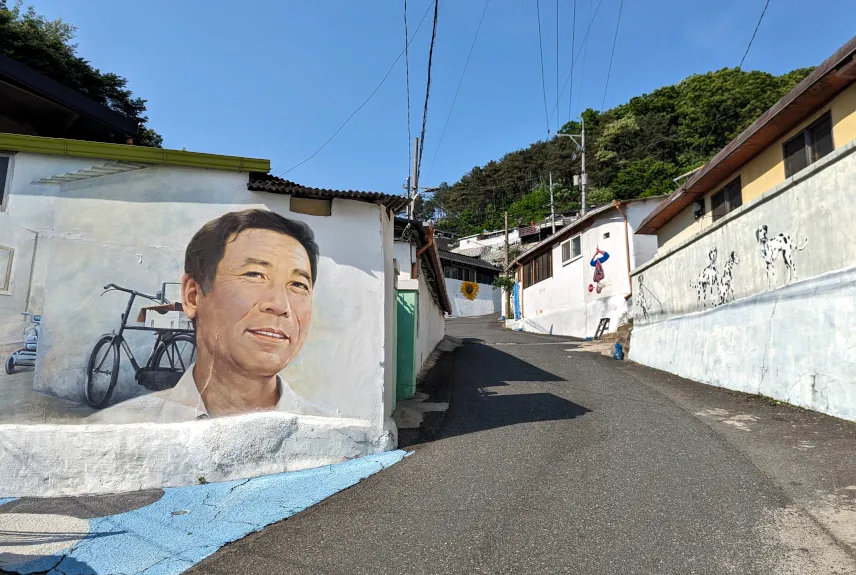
556	459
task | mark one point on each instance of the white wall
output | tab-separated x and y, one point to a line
791	341
487	302
431	323
562	304
132	229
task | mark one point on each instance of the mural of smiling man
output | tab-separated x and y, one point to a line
247	287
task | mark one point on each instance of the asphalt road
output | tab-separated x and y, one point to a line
555	461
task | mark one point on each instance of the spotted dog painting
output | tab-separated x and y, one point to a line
772	248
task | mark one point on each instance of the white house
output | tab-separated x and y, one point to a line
76	216
469	282
579	276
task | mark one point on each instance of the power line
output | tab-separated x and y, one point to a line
427	88
458	89
407	82
585	57
614	42
360	107
585	39
758	25
573	47
541	51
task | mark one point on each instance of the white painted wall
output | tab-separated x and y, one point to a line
132	229
497	240
431	323
791	342
563	304
487	302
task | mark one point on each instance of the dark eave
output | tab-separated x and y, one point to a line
815	91
436	267
261	182
33	86
447	256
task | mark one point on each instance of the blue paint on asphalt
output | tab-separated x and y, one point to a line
5	500
190	523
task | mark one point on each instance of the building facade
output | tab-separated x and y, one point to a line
78	216
752	287
579	276
469	283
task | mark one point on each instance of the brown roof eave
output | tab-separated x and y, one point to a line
813	92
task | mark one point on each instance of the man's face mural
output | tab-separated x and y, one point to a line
255	317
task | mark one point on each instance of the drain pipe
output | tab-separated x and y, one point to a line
617	205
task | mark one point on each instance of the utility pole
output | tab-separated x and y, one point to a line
414	180
507	292
583	176
552	205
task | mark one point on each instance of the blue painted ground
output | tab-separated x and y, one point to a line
190	523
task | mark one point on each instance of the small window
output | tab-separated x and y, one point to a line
576	247
566	251
726	200
808	146
310	206
538	270
4	177
6	257
606	235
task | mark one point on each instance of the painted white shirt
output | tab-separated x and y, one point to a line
184	403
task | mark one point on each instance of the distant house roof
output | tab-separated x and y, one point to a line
464	259
262	182
126	153
833	75
52	109
437	285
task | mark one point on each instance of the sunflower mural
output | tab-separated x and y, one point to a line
470	290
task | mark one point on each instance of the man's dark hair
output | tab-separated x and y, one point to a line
207	246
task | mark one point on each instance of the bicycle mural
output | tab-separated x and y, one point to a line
243	314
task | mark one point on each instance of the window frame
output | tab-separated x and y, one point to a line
6	186
728	200
7	290
570	243
808	143
542	263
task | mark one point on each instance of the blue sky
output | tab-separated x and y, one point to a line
274	79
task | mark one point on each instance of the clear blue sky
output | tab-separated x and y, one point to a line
274	79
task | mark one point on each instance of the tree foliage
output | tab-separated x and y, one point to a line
633	150
48	46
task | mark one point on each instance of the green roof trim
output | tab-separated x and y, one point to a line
126	153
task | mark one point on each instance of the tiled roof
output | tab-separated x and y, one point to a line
467	260
261	182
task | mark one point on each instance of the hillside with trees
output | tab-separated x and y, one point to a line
48	46
633	150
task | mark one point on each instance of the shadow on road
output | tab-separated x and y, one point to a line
492	389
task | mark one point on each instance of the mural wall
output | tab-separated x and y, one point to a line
170	295
473	299
745	303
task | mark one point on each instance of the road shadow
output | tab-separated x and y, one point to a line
473	379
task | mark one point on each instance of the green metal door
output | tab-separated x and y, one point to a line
407	312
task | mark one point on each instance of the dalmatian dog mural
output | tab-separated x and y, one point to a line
725	289
707	281
770	250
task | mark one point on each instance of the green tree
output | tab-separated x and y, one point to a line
48	46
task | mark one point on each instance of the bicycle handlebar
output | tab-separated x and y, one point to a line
127	290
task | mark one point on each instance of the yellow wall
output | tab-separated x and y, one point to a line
766	170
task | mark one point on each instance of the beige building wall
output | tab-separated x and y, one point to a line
764	171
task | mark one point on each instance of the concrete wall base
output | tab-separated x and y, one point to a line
51	460
794	344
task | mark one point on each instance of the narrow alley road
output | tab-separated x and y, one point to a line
551	460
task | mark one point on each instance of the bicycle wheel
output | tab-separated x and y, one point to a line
102	372
176	353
